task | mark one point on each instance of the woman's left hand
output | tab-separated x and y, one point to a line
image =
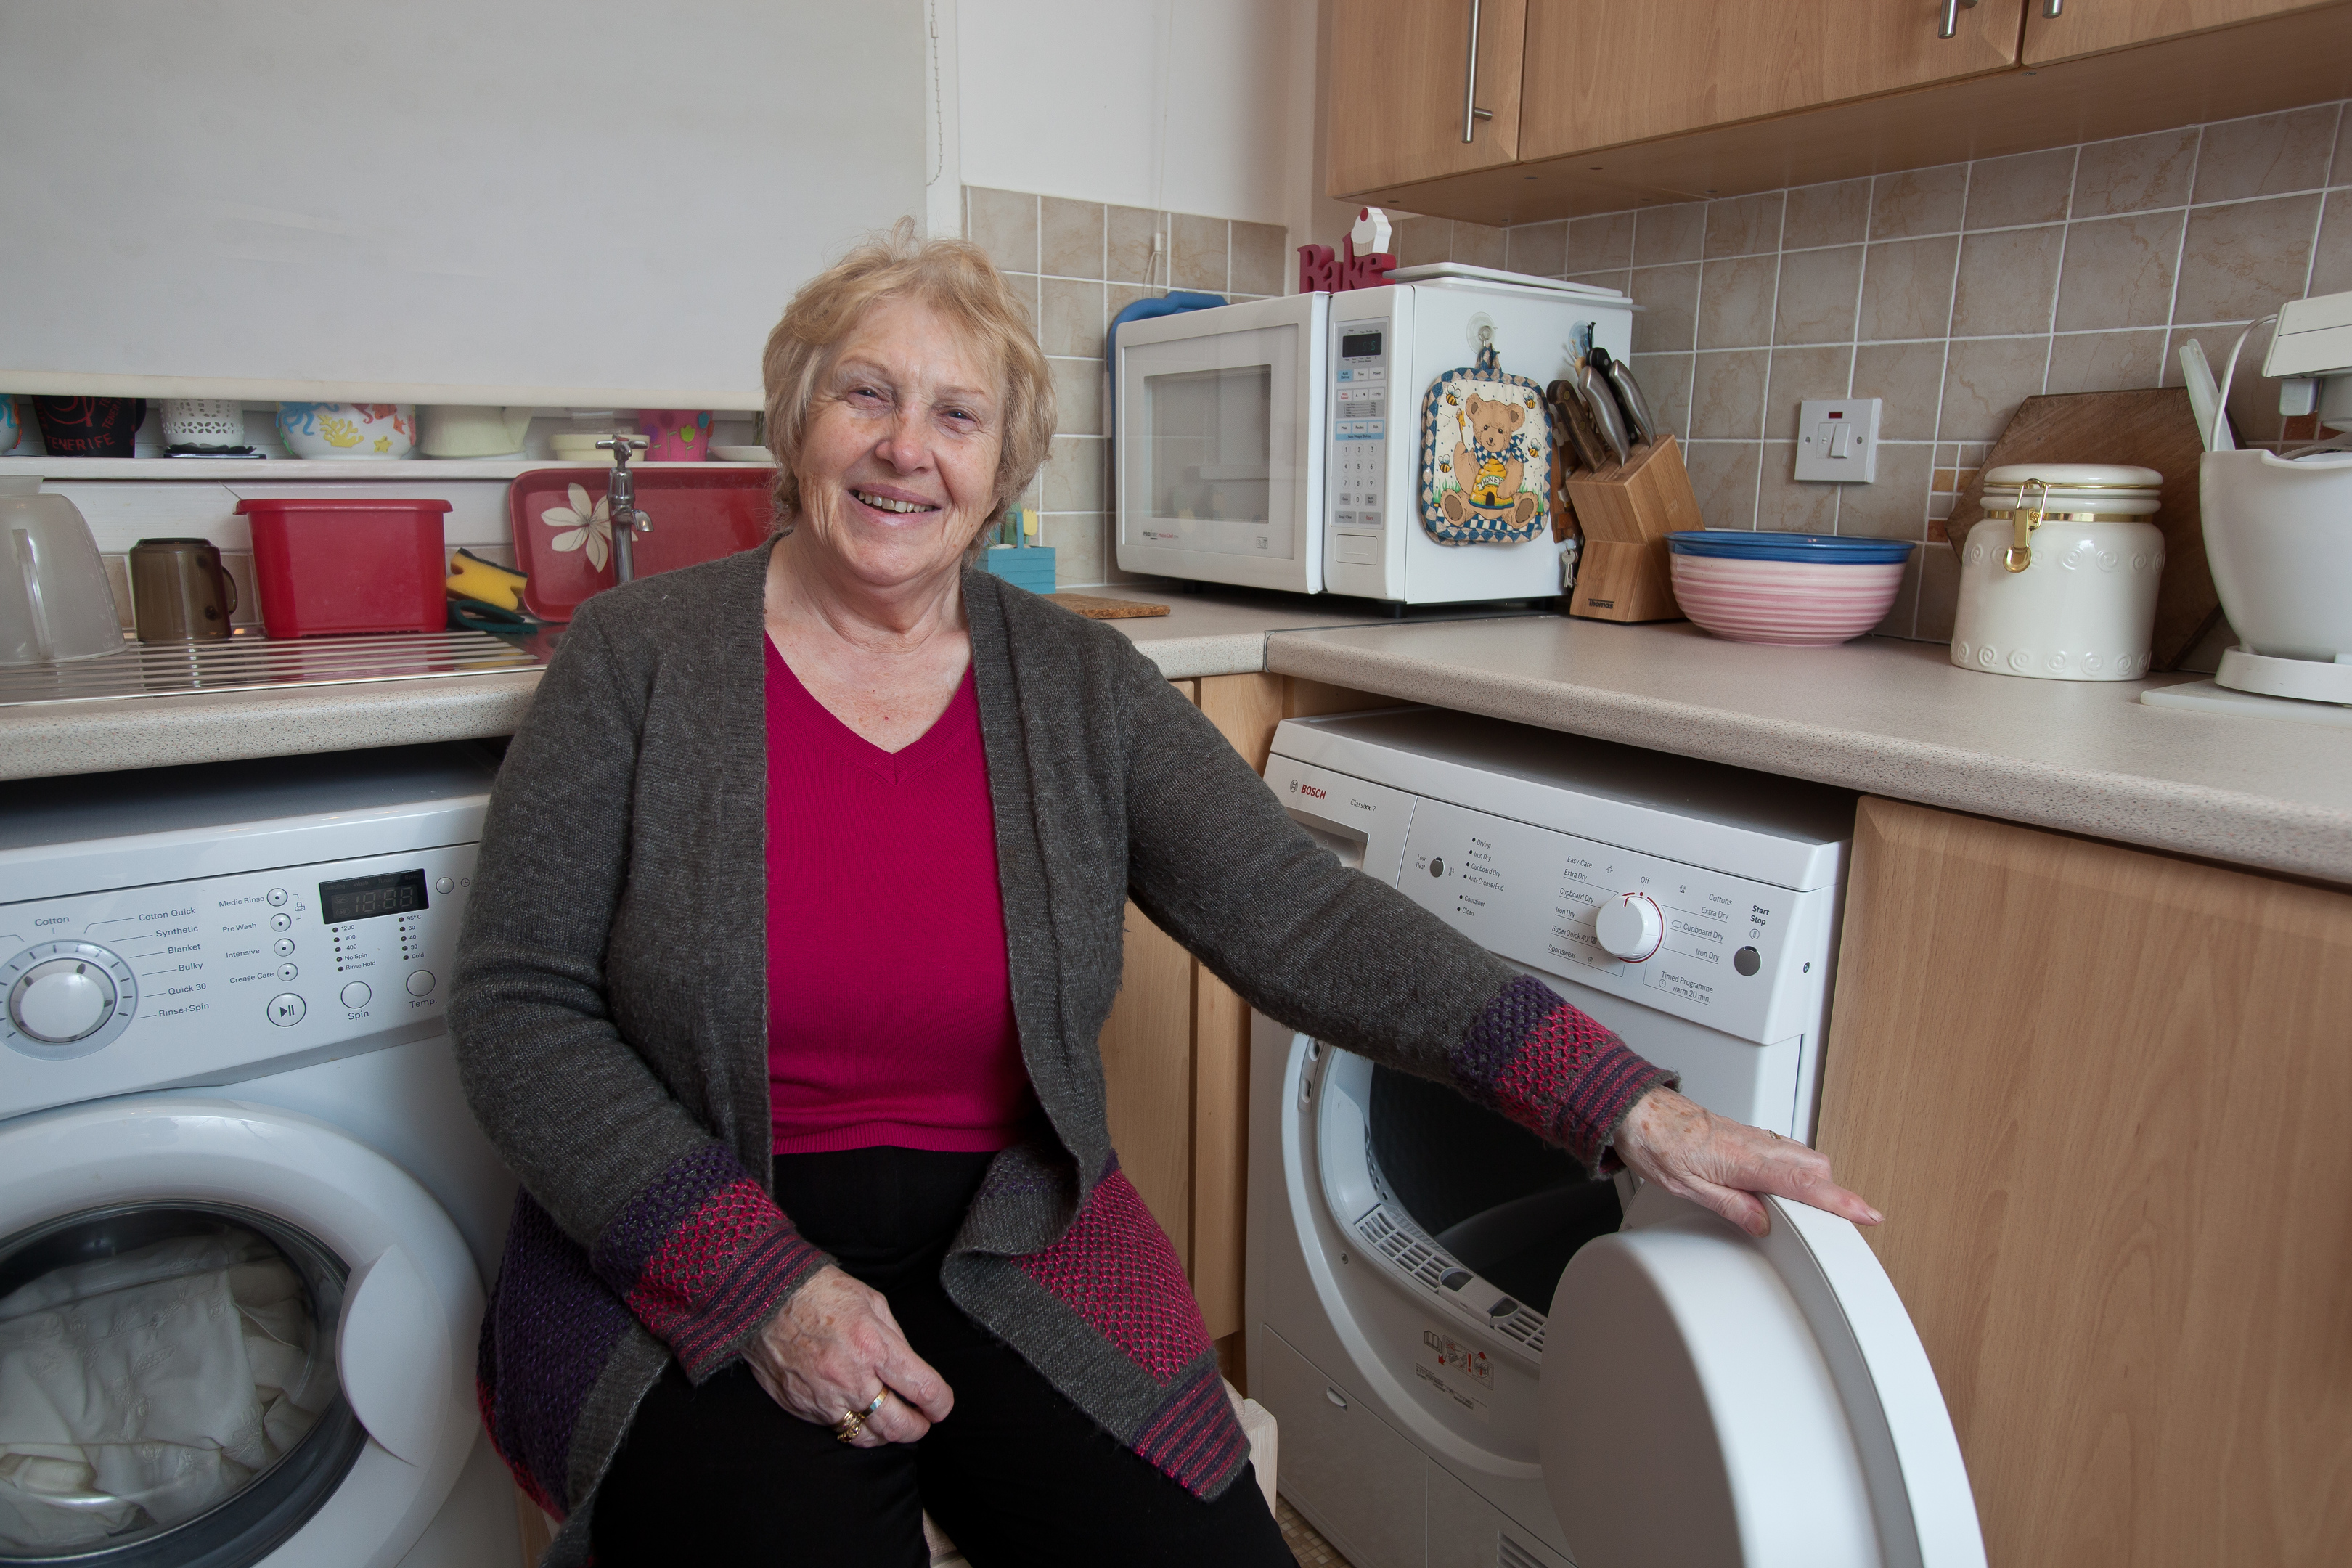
1723	1164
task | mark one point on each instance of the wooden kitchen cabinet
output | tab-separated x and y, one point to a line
1400	83
2092	26
2104	1099
1605	72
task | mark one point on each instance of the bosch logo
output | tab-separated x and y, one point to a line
1312	793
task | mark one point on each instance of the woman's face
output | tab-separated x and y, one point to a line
898	465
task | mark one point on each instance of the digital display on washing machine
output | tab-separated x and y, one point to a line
364	898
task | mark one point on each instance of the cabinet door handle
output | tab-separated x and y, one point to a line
1951	24
2050	8
1471	112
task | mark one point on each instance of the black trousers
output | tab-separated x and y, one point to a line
1016	1474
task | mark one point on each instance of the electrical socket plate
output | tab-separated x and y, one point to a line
1837	439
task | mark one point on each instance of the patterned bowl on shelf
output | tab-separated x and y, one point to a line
1799	590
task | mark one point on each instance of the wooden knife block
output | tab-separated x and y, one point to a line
1626	513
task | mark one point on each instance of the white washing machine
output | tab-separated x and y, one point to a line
1479	1357
245	1216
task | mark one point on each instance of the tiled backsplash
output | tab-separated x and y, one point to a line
1078	264
1953	293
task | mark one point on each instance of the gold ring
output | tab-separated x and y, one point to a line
853	1422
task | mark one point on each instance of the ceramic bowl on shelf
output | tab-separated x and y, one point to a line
347	430
1800	590
742	454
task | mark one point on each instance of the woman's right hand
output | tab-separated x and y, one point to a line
833	1347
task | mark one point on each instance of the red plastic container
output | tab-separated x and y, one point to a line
330	567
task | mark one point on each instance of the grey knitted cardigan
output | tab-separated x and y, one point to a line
609	1013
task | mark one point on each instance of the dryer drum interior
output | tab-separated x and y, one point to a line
1493	1196
168	1390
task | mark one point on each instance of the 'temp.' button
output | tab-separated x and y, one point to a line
356	993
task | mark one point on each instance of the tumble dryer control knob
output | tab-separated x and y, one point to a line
62	1000
1630	927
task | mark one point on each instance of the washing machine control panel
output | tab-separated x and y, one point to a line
1740	956
178	982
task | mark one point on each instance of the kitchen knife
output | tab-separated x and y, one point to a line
1584	443
1604	403
1639	426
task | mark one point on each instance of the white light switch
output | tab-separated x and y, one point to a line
1837	439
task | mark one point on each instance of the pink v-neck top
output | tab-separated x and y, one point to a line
889	1004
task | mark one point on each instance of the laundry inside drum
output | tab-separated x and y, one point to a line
1502	1202
168	1391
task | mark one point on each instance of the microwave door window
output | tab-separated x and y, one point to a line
1212	456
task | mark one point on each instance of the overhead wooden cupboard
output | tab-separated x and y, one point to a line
1598	105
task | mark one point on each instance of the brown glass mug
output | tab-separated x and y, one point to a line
180	592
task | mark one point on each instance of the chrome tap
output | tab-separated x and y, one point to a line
621	504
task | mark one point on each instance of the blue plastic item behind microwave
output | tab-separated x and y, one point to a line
1739	544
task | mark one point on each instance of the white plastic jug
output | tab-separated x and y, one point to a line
54	599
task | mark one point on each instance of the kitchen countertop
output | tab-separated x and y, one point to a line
1890	718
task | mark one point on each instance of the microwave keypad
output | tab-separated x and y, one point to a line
1359	412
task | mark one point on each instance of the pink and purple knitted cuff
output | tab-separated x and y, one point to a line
1553	1071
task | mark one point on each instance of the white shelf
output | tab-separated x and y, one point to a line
363	470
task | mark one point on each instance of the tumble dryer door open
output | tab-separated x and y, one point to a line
1710	1398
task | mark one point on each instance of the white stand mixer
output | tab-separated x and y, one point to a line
2278	537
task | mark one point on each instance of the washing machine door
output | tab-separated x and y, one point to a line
228	1334
1709	1397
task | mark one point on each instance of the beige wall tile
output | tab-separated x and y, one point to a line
2105	362
1984	381
1264	262
2240	261
2031	187
1078	396
1727	396
1909	381
1128	253
1540	249
1786	505
1906	288
2118	271
2339	170
1479	245
1723	478
1939	593
1197	250
1072	237
1836	213
1820	291
1662	235
1918	202
1799	373
2331	269
1594	243
1669	300
1735	301
1073	474
1665	381
2007	280
1004	224
2135	173
1071	322
2266	157
1893	505
1023	287
1422	241
1744	226
1080	545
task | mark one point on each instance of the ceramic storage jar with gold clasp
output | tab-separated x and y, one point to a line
2059	579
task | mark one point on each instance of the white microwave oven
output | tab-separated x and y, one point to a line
1276	444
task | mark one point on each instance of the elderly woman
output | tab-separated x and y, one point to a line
798	913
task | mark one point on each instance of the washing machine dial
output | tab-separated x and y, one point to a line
1631	926
61	1000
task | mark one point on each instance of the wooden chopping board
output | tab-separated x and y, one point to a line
1097	608
2152	428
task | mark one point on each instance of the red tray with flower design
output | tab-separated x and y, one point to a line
563	531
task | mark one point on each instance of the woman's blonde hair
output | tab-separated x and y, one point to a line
954	278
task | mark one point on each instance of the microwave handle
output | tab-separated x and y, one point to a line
1471	112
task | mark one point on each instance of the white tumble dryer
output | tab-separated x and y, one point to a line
245	1216
1482	1359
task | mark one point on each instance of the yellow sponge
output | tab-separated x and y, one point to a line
471	577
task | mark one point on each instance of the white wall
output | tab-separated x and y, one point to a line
1199	106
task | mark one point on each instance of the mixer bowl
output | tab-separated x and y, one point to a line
2278	537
